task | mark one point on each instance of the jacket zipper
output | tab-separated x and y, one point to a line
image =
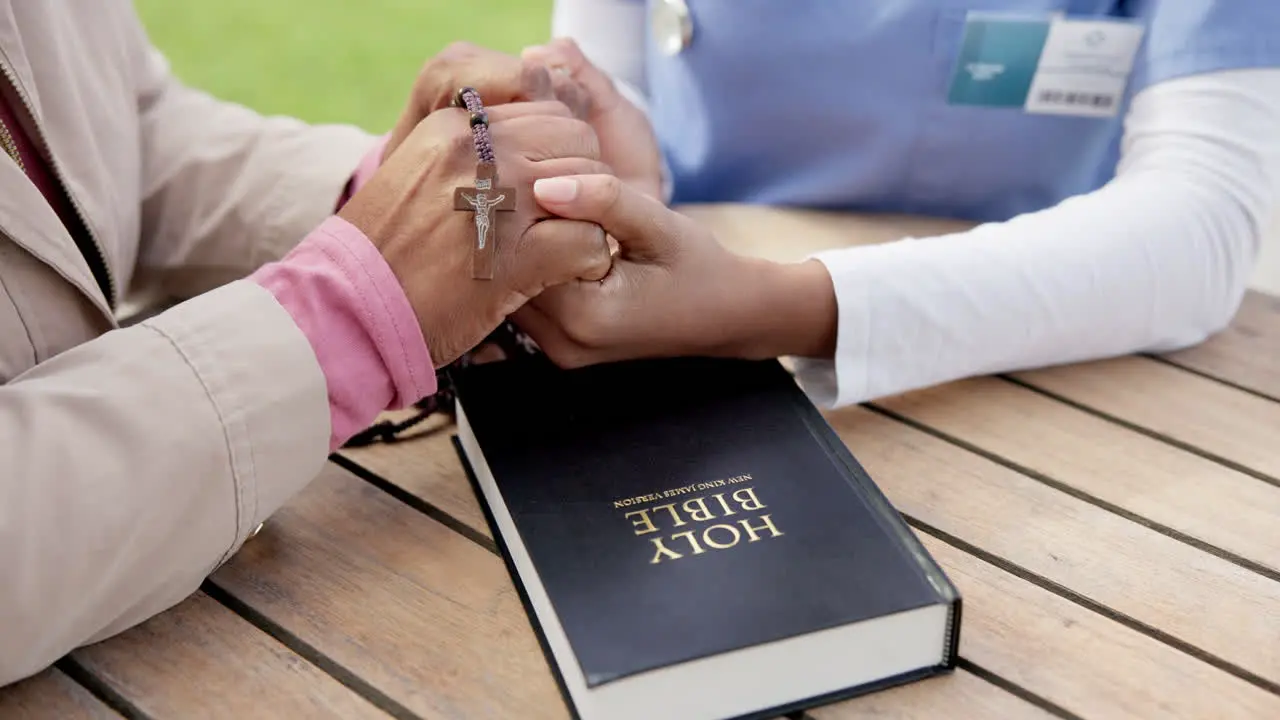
100	257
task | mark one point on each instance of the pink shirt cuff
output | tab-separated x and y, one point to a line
351	307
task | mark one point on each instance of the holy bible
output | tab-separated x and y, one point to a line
692	540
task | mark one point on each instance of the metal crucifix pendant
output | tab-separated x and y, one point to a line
483	200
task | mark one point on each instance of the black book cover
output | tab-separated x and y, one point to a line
677	509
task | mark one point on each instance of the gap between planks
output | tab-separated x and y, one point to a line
1242	356
401	459
1166	629
1021	702
439	512
888	410
53	693
1232	428
203	655
100	689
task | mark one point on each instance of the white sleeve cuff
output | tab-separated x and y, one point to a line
833	383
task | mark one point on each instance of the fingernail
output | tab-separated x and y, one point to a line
535	52
556	190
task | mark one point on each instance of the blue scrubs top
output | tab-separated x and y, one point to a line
843	103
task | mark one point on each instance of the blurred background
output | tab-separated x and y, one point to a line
353	61
350	61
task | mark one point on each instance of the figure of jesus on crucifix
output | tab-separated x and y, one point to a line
483	201
483	207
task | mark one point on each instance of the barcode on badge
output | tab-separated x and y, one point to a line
1101	101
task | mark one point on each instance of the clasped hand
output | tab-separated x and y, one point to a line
583	161
672	288
407	208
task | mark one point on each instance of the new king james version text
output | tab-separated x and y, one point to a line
735	516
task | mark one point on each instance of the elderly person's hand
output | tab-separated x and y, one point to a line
407	210
498	77
627	141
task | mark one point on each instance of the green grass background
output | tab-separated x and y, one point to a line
349	61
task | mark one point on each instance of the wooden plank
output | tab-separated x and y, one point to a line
1202	413
1200	600
412	608
199	659
1055	648
958	696
427	466
1247	352
1081	661
51	695
405	465
1128	470
792	234
1196	598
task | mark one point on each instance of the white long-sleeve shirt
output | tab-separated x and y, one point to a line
1156	259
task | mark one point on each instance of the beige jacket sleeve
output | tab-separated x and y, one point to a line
224	188
134	464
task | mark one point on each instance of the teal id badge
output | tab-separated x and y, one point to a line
998	60
1051	66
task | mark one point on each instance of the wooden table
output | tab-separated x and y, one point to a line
1114	528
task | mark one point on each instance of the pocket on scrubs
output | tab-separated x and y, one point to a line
993	163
